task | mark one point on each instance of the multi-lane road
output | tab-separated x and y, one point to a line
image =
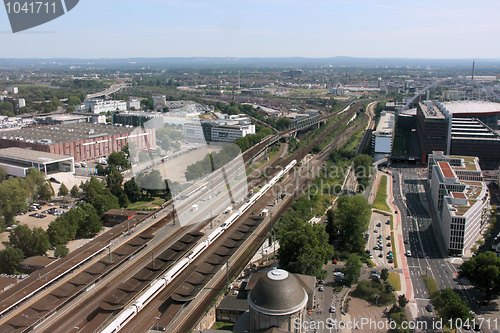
427	253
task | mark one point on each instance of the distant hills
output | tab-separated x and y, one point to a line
203	62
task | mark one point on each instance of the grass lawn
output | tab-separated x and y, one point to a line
381	198
152	203
219	325
431	286
393	240
367	289
394	280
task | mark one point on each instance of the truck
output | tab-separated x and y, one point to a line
194	208
265	212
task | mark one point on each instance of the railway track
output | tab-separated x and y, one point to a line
165	311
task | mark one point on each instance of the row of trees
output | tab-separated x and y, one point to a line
23	242
346	225
16	193
304	247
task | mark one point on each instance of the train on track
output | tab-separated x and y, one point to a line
157	286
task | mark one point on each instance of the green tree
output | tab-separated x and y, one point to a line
74	100
13	194
61	230
304	248
3	174
351	221
119	160
74	193
363	168
34	181
103	203
451	306
152	182
7	109
45	192
384	274
33	242
56	102
114	182
283	124
402	301
89	223
10	259
123	200
132	190
352	269
24	110
63	191
61	251
331	227
483	271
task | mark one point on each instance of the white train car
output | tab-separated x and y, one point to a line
216	233
197	250
152	291
121	320
176	270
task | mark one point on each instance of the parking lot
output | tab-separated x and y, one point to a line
39	218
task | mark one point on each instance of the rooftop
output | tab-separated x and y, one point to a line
446	169
278	293
386	123
31	155
64	133
470	107
430	111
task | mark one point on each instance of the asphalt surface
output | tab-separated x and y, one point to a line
428	254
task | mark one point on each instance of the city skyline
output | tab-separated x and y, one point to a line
316	29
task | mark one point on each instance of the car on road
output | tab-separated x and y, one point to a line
408	253
321	288
332	309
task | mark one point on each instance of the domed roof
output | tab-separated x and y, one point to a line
277	293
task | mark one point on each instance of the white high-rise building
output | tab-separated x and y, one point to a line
461	199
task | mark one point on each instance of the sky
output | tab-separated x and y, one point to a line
440	29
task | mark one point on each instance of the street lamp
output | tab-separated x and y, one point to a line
377	296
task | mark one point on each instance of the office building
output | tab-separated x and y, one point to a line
383	136
138	118
448	127
220	130
461	200
18	161
97	106
83	141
